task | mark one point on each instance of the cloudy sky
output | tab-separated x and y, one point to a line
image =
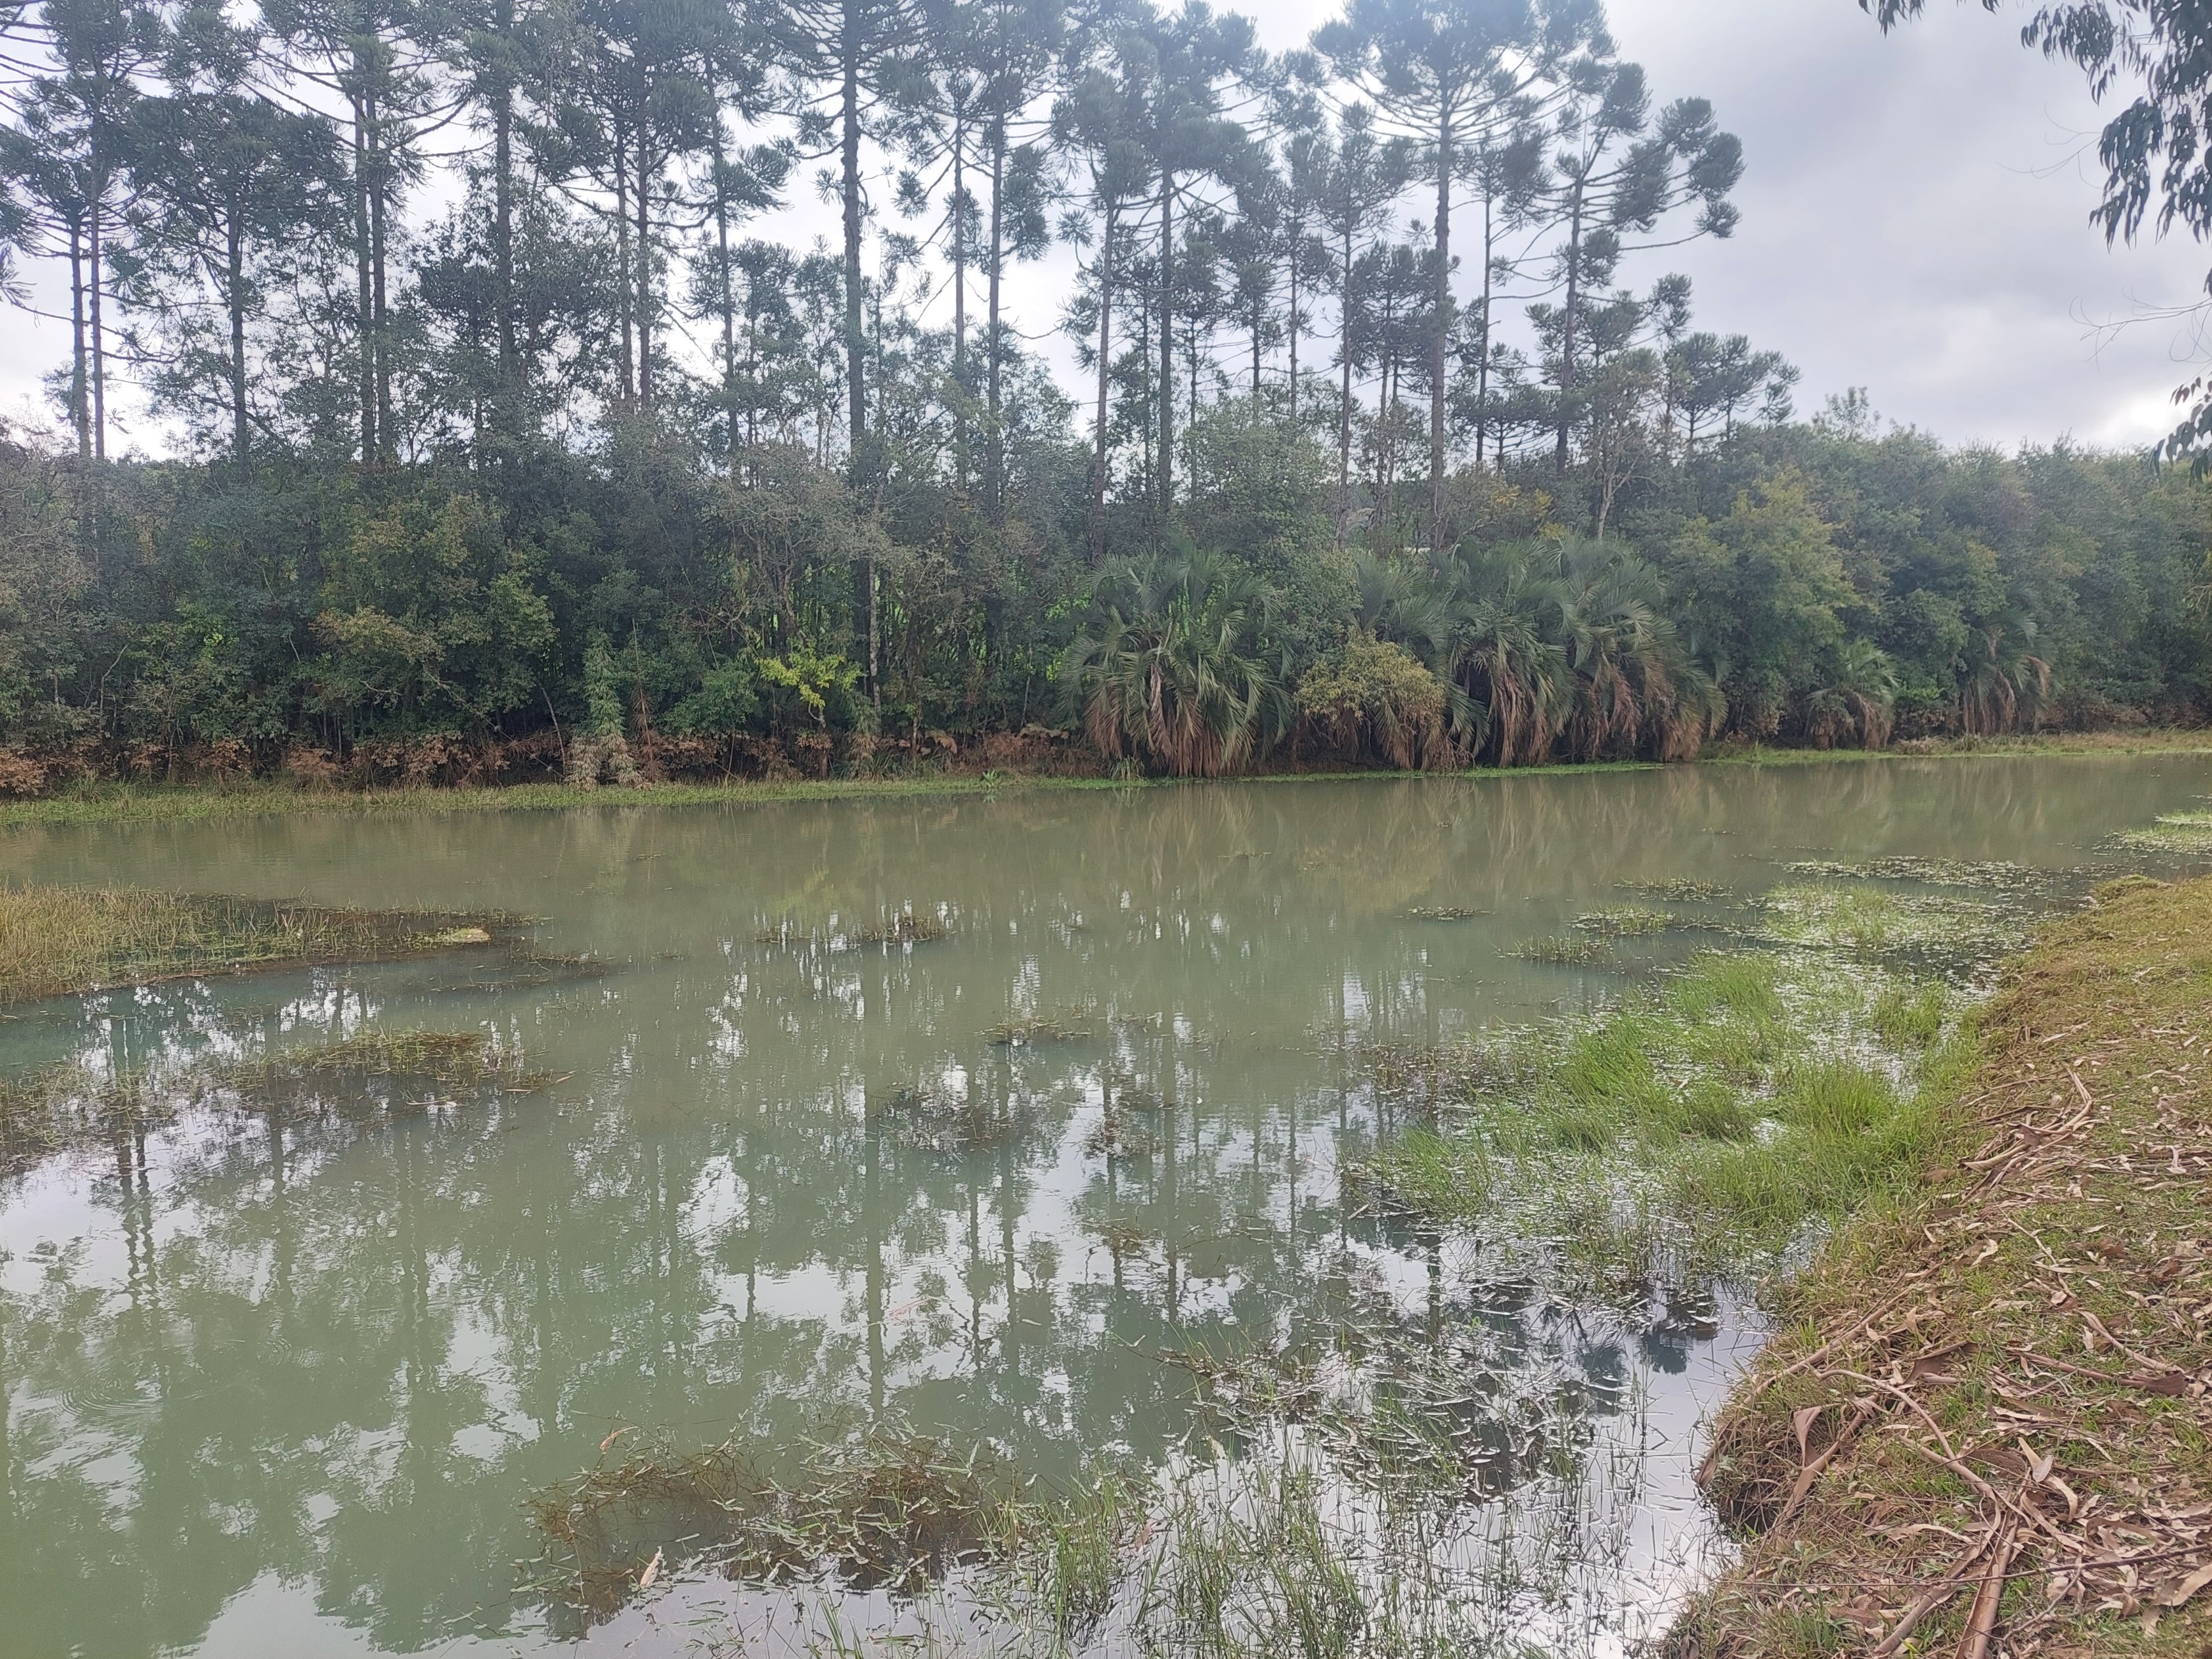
1915	222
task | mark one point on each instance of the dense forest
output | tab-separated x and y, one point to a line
1150	400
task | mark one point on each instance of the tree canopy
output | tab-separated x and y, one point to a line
447	394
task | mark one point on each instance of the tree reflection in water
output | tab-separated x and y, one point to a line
1064	1179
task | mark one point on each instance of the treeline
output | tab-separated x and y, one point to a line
500	447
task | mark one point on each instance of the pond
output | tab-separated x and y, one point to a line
962	1114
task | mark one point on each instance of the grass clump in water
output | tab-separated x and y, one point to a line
2187	835
1681	890
888	1508
453	1059
940	1117
1030	1029
1625	921
1566	950
57	941
1702	1127
59	1108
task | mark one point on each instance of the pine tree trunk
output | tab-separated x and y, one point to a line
1167	343
1441	330
856	341
379	191
1105	376
960	298
1344	405
1570	321
80	404
623	261
364	308
503	226
644	267
234	298
994	452
726	289
1482	366
99	338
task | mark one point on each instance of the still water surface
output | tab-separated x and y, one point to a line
279	1387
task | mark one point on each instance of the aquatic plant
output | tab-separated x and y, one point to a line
2185	834
72	1105
941	1117
1680	889
56	941
884	1507
1695	1131
1625	921
1566	950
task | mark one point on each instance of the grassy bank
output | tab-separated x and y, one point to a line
1983	1425
57	941
126	803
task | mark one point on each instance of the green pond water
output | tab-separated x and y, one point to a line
281	1383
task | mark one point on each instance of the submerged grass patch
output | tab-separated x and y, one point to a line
453	1059
57	940
1625	921
1391	1505
1698	1129
2184	834
886	1507
1568	951
1878	923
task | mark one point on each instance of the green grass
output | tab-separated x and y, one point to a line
1704	1124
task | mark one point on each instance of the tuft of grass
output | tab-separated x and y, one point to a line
884	1508
1876	922
1680	890
1625	921
57	941
937	1118
453	1059
1564	951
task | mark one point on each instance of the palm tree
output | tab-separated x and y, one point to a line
1858	704
1171	670
1637	690
2001	685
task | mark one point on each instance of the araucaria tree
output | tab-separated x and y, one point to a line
582	387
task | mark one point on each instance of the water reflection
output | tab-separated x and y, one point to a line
262	1359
